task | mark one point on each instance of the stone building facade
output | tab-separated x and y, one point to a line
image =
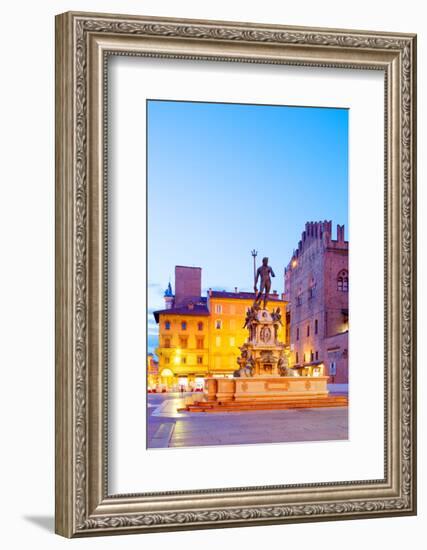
316	289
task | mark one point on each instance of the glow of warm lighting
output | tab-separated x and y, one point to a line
166	373
177	358
294	263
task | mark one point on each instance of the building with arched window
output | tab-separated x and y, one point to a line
316	289
200	336
342	281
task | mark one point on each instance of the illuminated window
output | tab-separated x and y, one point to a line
184	325
218	308
167	325
218	324
232	341
199	325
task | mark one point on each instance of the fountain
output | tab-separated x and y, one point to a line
263	374
263	379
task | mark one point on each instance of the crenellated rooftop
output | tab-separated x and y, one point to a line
320	231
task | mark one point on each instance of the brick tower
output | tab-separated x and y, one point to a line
316	287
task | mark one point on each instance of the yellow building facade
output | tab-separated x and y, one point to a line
199	340
152	371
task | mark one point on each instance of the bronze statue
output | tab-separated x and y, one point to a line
277	316
263	273
246	364
282	366
251	314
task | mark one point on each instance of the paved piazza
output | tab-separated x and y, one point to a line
169	428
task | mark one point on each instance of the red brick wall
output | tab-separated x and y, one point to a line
336	350
311	279
309	270
188	284
336	260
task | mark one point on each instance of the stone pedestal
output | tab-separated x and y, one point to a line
263	374
266	388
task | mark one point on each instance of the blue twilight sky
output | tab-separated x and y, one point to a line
226	178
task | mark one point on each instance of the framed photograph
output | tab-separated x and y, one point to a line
235	274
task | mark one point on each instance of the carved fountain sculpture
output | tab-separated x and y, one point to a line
262	354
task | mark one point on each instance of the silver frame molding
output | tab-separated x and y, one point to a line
83	43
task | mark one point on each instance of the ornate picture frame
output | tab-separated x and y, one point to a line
84	506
